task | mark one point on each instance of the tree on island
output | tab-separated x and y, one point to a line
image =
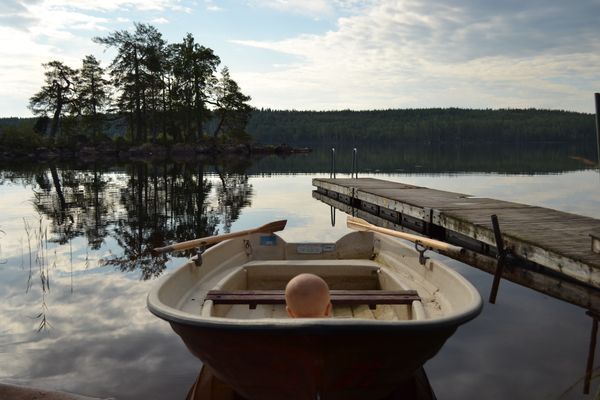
91	93
55	94
139	57
231	106
162	90
170	87
192	69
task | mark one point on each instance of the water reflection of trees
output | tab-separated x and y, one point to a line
162	203
74	203
234	194
142	207
436	158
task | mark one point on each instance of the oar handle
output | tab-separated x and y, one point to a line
434	244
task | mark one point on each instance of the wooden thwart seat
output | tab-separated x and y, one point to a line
338	297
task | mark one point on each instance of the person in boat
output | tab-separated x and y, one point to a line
307	296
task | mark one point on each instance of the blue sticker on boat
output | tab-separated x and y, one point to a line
268	240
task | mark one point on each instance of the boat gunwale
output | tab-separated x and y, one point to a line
174	315
299	324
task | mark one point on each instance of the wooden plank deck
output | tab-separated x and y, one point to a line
556	240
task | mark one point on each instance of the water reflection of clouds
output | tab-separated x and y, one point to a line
16	205
290	197
528	345
103	341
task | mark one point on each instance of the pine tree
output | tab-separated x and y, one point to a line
140	59
56	94
231	106
92	94
194	67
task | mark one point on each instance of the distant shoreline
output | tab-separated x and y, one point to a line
145	152
301	129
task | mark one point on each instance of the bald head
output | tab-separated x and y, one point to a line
307	296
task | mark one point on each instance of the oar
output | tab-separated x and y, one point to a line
360	224
205	241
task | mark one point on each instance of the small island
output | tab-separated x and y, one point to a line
160	100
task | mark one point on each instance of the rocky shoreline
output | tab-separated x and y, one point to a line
145	151
12	392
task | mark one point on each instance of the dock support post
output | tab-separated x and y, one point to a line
500	257
597	98
590	361
332	215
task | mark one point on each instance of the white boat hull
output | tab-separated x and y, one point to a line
263	355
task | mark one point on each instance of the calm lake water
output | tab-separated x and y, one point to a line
75	266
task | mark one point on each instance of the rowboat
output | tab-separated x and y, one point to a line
391	313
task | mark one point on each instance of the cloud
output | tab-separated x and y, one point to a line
160	21
315	8
15	14
461	53
376	54
35	31
21	59
212	6
309	7
111	5
21	14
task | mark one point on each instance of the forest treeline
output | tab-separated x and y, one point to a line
424	126
429	125
151	91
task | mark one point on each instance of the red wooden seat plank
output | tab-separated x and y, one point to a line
338	297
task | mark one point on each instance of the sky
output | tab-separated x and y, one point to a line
337	54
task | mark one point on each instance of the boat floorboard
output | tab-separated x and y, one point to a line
382	312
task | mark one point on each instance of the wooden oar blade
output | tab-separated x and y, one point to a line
357	224
159	250
271	227
274	226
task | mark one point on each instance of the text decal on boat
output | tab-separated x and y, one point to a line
270	240
315	248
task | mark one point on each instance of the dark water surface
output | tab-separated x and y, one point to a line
75	266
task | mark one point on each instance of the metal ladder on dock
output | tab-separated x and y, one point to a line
353	171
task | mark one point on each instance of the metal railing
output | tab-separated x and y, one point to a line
332	173
353	171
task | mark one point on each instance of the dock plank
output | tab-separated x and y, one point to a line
366	183
554	239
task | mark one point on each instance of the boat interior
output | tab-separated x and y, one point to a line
356	263
340	275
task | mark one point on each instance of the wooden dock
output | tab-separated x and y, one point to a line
537	236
